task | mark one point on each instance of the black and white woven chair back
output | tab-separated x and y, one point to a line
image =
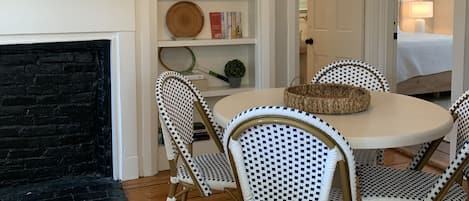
460	112
175	96
281	153
352	72
450	175
358	74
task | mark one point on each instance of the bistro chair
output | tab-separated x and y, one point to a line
384	183
176	99
460	111
280	153
379	183
359	74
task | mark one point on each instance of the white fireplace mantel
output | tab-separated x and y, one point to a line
32	21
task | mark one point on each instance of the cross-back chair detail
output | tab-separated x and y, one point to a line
384	183
177	98
411	184
460	111
280	153
360	74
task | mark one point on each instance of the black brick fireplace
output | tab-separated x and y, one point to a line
55	122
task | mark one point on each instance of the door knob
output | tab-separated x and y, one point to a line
309	41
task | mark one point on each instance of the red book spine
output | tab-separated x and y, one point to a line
215	25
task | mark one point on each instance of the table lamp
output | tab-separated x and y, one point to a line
420	10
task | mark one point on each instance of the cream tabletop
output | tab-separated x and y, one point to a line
392	120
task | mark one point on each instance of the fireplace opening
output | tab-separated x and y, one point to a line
55	122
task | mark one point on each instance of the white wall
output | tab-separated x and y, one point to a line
281	44
286	43
66	16
443	17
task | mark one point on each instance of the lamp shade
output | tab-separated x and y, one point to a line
421	9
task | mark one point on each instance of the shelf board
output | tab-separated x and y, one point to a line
224	91
208	42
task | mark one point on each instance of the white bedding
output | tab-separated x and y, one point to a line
423	54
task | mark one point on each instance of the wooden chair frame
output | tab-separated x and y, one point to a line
270	119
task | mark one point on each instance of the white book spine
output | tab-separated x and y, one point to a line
195	77
223	28
225	25
229	25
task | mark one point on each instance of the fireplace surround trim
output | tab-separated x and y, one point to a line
123	92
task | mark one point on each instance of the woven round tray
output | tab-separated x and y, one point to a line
327	98
185	19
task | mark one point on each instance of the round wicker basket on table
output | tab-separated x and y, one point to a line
327	98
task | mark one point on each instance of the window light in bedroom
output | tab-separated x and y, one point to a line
420	10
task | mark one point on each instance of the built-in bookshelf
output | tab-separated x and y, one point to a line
213	54
252	49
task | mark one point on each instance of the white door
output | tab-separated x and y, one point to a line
336	28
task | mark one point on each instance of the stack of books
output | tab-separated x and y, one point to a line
200	133
198	79
226	25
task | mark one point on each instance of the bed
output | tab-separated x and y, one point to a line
424	63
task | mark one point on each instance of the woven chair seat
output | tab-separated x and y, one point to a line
215	170
368	156
336	194
384	183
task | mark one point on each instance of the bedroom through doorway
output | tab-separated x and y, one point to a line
424	49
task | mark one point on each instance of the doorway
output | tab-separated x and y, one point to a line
329	30
424	49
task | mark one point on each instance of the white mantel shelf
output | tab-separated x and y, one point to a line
206	42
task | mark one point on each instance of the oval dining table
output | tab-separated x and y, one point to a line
391	120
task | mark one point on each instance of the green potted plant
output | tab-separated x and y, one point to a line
235	70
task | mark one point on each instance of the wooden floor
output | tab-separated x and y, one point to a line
155	188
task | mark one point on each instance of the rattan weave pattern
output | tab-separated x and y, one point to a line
327	98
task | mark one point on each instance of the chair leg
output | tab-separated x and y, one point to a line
172	192
460	180
234	194
184	195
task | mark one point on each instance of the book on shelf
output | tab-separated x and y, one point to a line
233	26
199	133
239	33
194	76
228	25
216	25
225	25
198	79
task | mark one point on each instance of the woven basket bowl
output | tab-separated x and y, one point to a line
327	98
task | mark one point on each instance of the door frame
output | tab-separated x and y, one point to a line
460	75
380	46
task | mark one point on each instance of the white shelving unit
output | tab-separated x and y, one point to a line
254	49
206	42
213	54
